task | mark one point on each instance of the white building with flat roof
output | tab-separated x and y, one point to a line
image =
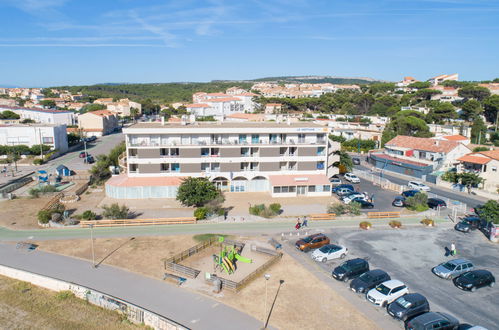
30	135
284	160
43	116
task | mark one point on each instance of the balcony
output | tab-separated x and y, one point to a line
233	142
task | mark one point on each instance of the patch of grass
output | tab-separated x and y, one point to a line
205	237
64	295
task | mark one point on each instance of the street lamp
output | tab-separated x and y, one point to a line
267	278
92	241
273	303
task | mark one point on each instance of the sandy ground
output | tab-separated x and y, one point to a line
304	302
20	213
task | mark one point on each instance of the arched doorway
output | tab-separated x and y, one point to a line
221	183
259	183
239	184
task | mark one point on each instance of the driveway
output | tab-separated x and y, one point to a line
409	254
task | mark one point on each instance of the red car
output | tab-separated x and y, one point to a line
83	154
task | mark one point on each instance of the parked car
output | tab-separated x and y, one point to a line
348	198
335	181
344	191
417	185
83	154
356	161
452	268
343	185
387	292
352	178
408	306
432	320
369	280
468	224
312	242
89	159
399	201
329	252
474	279
435	203
350	269
410	193
363	203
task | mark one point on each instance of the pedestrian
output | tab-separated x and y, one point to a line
453	251
298	224
372	198
469	188
305	222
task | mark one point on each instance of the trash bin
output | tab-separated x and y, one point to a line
217	285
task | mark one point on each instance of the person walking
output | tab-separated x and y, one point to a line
453	251
305	222
298	224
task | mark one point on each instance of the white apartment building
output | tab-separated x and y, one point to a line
443	77
285	160
220	105
30	135
43	116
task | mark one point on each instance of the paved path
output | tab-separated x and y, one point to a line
192	310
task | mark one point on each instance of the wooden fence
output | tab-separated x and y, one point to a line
138	222
382	215
53	202
322	216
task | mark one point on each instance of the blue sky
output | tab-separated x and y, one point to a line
56	42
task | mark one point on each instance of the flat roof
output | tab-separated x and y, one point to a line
268	124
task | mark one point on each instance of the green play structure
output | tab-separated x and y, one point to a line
226	260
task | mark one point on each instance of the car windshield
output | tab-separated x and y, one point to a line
403	303
366	277
328	248
449	266
307	239
344	266
383	289
470	275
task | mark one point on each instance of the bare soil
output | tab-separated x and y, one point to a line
304	302
20	213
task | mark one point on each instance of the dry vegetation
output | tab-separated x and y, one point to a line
20	213
24	306
304	301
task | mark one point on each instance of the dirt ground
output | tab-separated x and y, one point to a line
304	302
20	213
25	306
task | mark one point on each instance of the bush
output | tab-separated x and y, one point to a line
263	211
428	222
63	295
200	213
44	216
115	211
275	207
47	189
256	209
341	209
88	215
365	225
38	161
197	192
354	208
34	193
418	202
395	224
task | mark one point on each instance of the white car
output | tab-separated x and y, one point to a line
329	252
348	198
352	178
335	181
418	186
387	292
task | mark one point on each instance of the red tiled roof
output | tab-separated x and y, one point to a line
217	94
273	104
247	94
455	138
224	99
470	158
197	105
101	113
298	180
33	109
491	153
425	144
126	181
405	161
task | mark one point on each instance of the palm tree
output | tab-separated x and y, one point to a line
345	160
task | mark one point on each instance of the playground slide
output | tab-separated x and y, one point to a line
225	268
243	259
231	265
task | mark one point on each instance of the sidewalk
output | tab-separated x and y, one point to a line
190	309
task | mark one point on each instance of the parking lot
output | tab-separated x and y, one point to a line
409	255
382	198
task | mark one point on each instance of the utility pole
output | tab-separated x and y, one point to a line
267	277
92	240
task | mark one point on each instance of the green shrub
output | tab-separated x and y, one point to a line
34	193
44	216
275	207
38	161
341	209
418	202
256	209
264	211
354	208
88	215
200	213
115	211
63	295
47	189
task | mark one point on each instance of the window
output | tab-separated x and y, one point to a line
174	152
321	138
282	166
326	187
320	151
320	165
165	167
215	167
273	138
242	138
311	188
205	152
255	138
205	167
277	190
282	151
292	189
301	138
494	169
175	167
244	166
48	140
163	152
132	152
292	151
285	189
215	152
254	152
134	168
245	152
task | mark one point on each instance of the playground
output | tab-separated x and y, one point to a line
228	261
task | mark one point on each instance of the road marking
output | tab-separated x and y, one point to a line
195	320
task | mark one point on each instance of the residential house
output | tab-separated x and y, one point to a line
35	134
273	108
418	157
443	77
98	123
485	164
492	87
457	138
43	116
123	107
449	94
8	102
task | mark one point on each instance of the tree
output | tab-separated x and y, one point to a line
100	171
345	160
148	107
405	125
420	85
47	92
490	211
426	94
418	202
381	88
115	211
382	105
197	192
441	112
474	92
491	107
364	103
7	114
471	110
470	179
478	131
92	107
48	103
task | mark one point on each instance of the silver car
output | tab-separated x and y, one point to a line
452	268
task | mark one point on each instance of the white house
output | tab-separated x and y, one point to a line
30	135
43	116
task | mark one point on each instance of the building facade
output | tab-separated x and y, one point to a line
30	135
98	123
281	159
485	164
43	116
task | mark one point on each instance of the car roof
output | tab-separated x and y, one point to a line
392	283
480	272
333	245
436	199
459	261
432	316
356	261
377	272
414	297
316	235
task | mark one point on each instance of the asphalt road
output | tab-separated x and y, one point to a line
470	200
382	198
190	309
409	254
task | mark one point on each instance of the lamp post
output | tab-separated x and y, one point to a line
273	303
267	277
92	241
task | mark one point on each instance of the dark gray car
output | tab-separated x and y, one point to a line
452	268
369	280
350	269
432	320
408	306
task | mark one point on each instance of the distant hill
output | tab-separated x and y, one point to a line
320	80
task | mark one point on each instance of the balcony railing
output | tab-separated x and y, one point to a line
227	142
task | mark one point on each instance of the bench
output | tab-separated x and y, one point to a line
322	216
179	280
275	244
381	215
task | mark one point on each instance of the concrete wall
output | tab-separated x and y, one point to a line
149	168
230	167
269	167
269	152
307	151
148	153
190	168
230	152
190	152
307	166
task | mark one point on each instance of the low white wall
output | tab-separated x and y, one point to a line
134	313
